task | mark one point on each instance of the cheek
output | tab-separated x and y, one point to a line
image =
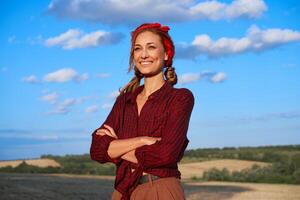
159	55
135	56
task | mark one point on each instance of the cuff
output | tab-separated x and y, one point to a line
140	156
106	140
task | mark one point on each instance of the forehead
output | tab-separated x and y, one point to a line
147	37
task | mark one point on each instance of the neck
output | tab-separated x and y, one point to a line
153	83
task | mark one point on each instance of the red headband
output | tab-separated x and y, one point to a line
153	25
168	44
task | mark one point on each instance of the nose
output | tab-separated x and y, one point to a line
144	53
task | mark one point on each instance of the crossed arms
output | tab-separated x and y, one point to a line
145	151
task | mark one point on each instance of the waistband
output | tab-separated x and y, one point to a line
148	178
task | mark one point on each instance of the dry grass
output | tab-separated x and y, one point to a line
34	162
243	191
75	187
223	190
189	170
193	190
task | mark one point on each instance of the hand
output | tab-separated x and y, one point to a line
149	140
108	131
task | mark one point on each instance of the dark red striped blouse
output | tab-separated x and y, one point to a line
165	114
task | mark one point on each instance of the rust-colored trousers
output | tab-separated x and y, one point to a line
161	189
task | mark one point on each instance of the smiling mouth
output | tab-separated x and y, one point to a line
146	62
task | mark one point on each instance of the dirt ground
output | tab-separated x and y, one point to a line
243	191
76	187
189	170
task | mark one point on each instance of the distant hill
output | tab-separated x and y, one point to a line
261	153
271	164
196	169
44	162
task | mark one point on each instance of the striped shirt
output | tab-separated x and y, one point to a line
165	114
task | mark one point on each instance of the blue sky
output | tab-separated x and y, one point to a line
62	63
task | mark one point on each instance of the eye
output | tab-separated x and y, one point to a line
136	48
152	47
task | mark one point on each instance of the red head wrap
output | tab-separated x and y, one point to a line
166	39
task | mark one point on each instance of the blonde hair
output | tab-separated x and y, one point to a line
168	44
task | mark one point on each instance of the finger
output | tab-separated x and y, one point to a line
100	133
104	132
107	132
110	134
111	130
101	130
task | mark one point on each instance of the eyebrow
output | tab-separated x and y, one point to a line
146	44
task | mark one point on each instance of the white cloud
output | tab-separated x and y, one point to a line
63	38
135	12
31	79
92	109
189	77
68	102
256	40
50	98
218	77
64	75
103	75
63	107
75	38
82	77
214	77
247	8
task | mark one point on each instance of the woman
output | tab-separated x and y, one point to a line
145	132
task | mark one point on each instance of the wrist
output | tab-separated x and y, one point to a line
141	141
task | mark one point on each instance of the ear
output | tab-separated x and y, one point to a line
166	56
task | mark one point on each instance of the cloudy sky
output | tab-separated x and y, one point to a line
62	63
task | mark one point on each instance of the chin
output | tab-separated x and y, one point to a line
148	73
145	71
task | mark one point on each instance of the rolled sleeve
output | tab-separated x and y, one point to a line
100	144
99	148
170	149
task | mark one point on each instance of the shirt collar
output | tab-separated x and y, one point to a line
163	89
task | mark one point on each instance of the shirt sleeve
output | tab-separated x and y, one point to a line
100	144
169	150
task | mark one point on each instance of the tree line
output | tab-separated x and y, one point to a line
285	166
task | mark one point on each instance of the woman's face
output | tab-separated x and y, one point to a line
149	53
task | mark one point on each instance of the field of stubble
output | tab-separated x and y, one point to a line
65	187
